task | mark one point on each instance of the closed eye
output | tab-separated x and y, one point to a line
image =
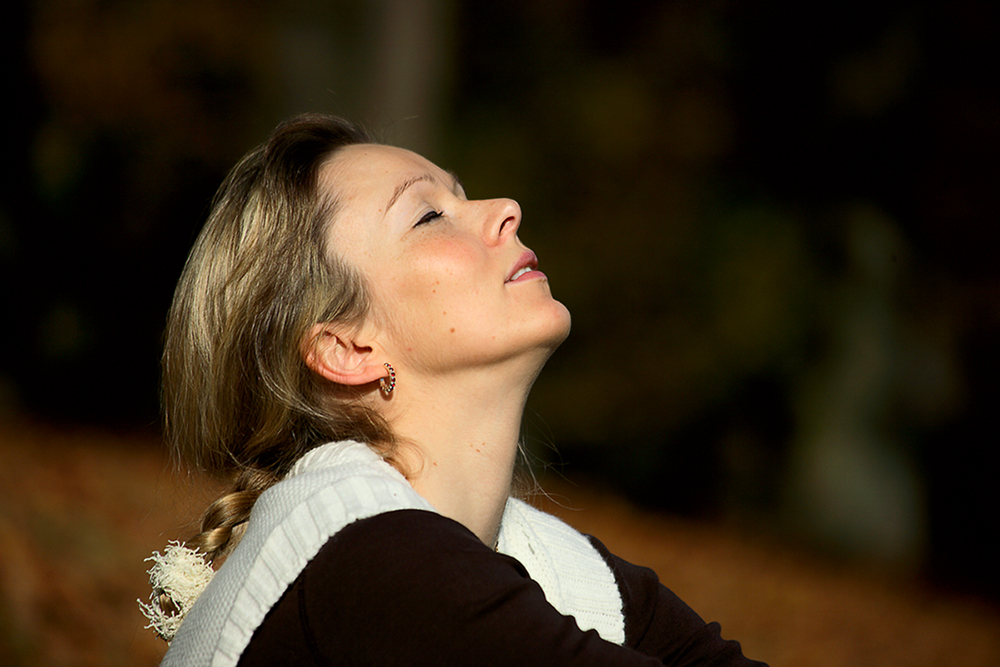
430	216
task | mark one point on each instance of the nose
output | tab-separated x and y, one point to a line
502	220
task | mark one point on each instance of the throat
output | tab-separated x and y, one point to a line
471	487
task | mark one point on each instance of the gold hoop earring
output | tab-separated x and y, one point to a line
387	387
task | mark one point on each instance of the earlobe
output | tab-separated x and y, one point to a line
336	355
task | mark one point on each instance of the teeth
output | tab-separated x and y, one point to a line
520	272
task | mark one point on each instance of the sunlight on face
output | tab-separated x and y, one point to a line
453	286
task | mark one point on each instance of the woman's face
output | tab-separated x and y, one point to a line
453	286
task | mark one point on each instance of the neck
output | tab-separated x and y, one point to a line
460	437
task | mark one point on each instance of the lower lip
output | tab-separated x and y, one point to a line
530	275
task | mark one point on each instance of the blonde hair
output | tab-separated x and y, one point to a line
238	399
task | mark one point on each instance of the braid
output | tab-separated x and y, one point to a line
224	521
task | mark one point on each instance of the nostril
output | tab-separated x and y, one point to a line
509	215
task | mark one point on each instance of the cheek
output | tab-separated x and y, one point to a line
438	271
440	293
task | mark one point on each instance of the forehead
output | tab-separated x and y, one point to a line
363	171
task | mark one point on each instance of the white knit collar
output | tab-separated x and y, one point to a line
334	454
338	483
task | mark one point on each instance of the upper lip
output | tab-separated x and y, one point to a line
528	259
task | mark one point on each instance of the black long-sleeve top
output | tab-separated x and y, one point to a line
412	587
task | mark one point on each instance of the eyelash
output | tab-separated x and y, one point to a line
428	217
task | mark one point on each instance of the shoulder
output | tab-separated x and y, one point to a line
331	488
414	587
408	556
394	584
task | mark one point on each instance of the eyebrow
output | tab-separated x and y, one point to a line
401	188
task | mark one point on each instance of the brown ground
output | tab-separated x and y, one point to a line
79	511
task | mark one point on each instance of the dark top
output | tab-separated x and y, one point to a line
412	587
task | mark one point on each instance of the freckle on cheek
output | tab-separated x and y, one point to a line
453	329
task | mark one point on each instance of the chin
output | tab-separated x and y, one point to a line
561	322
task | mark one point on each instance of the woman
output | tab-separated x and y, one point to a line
352	341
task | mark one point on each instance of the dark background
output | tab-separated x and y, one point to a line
774	224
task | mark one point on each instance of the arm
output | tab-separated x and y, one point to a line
414	587
658	623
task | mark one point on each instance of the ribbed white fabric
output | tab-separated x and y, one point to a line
574	576
340	483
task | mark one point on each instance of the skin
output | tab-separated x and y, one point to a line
466	342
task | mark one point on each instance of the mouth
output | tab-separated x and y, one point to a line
526	263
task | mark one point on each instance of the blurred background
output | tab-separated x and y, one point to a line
775	225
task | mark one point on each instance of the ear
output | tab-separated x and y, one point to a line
340	356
